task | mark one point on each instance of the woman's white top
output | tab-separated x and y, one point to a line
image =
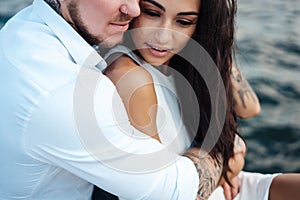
173	133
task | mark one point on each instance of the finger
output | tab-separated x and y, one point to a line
234	192
239	145
227	191
236	165
235	189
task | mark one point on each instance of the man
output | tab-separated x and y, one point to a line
48	145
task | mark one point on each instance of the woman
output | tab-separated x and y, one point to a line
211	24
161	47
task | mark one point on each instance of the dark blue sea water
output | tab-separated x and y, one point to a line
268	40
268	53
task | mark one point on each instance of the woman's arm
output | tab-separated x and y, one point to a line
247	103
136	89
285	186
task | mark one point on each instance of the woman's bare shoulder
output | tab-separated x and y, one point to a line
125	68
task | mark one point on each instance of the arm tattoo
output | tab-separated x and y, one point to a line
209	172
243	88
55	4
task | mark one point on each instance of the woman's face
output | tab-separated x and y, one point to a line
163	28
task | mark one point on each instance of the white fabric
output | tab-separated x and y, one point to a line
47	149
254	186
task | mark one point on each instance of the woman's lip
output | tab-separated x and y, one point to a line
157	51
157	47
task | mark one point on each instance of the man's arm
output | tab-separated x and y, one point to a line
208	169
135	91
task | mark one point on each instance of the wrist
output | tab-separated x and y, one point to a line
209	171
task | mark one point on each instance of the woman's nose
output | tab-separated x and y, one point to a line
163	35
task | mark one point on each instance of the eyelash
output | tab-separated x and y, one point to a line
185	22
153	13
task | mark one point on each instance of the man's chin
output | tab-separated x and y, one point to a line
112	41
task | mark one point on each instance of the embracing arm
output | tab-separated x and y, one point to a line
208	169
247	103
135	87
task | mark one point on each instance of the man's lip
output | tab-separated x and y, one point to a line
120	26
120	23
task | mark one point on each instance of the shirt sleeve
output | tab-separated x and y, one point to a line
83	128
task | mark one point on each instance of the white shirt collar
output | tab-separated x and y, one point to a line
79	49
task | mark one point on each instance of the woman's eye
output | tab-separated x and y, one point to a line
185	22
151	13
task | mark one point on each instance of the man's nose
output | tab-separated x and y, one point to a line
133	8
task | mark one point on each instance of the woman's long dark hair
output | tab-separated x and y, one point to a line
215	33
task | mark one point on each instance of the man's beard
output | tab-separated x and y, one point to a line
82	30
79	26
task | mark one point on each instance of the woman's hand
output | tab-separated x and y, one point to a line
236	164
231	192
